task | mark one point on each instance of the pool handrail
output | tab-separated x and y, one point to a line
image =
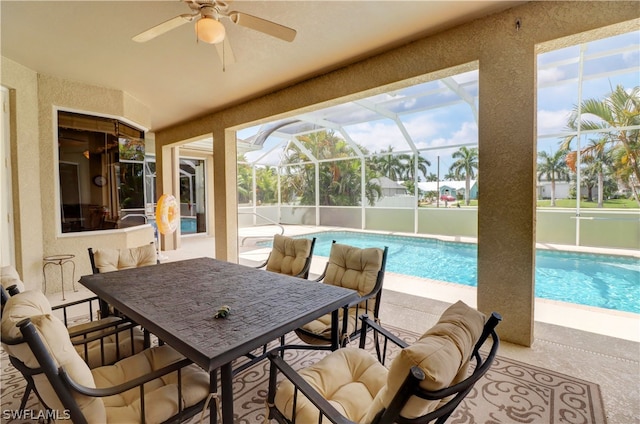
262	217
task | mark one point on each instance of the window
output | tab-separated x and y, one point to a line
101	171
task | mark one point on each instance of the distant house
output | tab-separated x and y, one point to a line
389	187
453	188
563	190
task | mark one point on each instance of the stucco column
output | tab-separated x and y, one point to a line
507	163
226	194
25	157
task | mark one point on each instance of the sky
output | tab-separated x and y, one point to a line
607	63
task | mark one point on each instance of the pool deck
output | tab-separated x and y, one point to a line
594	344
623	325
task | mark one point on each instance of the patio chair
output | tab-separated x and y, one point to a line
98	342
5	294
290	256
108	260
353	268
103	351
153	386
425	381
9	277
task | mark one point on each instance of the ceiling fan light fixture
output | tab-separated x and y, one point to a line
210	30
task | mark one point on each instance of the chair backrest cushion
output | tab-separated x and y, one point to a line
108	260
288	255
443	354
9	276
354	268
34	305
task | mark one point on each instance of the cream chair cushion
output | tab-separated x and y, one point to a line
108	347
443	354
359	387
9	276
160	394
33	304
288	256
320	328
352	268
348	378
108	260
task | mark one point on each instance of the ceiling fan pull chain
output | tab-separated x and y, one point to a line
223	62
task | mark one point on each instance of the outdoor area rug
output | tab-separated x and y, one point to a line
511	392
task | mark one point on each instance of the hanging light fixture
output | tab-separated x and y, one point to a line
208	28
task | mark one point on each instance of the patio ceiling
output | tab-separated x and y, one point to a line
180	79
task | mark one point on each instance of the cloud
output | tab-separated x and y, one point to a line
546	76
377	135
630	58
466	134
552	121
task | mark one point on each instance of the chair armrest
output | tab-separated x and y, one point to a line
65	306
262	265
362	298
114	326
324	273
76	302
114	390
326	409
368	322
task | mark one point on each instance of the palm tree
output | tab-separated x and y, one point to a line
410	166
266	185
244	180
432	177
451	176
620	109
466	163
599	161
389	165
552	167
340	180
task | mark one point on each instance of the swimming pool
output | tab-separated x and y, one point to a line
604	281
188	224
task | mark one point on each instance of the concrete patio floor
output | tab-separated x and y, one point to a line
592	344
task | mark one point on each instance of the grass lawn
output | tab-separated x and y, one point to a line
560	203
571	203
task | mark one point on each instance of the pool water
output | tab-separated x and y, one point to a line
604	281
188	224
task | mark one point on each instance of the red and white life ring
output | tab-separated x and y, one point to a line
167	214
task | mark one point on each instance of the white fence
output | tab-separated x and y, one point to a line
606	228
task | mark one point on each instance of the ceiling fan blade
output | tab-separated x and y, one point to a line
268	27
225	53
166	26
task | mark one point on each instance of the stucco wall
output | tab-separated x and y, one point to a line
35	178
506	58
402	220
56	93
25	161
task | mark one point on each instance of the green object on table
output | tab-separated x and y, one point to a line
223	312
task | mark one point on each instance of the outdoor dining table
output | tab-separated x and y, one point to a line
178	301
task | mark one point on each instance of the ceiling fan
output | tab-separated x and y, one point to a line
209	29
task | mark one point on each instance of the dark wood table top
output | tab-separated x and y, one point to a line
177	302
